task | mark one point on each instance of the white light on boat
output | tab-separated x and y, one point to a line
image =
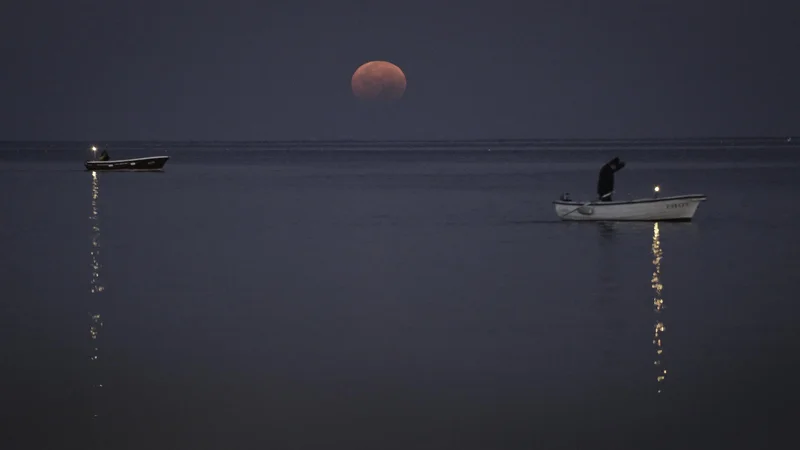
657	188
94	149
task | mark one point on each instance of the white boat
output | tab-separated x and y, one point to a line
675	208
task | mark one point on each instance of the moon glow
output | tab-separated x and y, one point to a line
378	80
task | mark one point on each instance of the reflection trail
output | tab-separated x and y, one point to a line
96	288
658	302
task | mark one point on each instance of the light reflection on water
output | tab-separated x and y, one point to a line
610	287
96	288
658	303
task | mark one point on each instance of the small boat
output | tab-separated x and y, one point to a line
674	208
135	164
104	163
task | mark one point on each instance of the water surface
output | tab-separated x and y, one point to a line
401	299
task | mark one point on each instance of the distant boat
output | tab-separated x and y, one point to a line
675	208
152	163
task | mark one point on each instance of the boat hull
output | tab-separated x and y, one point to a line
676	208
153	163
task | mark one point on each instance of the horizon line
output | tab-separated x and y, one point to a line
784	138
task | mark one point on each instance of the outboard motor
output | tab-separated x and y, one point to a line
565	197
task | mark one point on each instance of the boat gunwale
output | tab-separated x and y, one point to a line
116	161
698	197
160	169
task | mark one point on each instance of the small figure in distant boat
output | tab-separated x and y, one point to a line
605	182
103	156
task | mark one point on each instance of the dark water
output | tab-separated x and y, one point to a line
396	299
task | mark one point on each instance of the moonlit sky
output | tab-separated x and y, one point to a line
247	69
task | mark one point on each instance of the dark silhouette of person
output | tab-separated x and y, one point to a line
605	182
104	156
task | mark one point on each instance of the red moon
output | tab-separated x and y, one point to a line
378	80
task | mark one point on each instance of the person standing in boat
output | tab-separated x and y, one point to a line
104	156
605	182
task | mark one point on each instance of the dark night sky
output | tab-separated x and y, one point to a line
241	69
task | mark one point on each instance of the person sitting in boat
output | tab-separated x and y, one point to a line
104	156
605	182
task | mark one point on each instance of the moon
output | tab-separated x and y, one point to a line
378	80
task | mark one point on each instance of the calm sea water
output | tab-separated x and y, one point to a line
395	299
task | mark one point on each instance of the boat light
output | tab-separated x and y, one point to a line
657	188
94	149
